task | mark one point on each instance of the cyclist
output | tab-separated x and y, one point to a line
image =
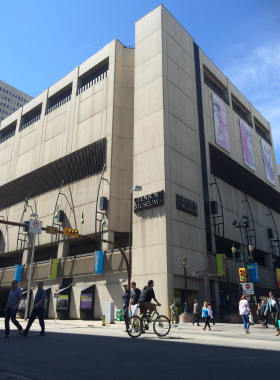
146	297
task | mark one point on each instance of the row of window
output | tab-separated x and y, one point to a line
11	101
13	95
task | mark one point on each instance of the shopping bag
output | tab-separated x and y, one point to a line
279	323
251	319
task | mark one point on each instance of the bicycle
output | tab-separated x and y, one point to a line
139	325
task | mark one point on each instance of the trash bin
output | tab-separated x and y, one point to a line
109	312
119	315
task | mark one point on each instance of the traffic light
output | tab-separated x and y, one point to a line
242	274
245	222
70	232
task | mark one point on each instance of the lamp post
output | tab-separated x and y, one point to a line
33	215
251	249
186	309
136	188
238	225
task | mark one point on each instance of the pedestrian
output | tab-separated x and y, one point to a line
38	310
211	313
206	315
125	304
195	313
245	311
133	301
11	308
273	305
261	317
173	312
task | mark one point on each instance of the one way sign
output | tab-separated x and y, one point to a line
248	288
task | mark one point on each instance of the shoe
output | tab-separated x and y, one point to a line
20	331
199	325
43	334
209	329
203	329
266	326
277	333
5	336
247	332
23	333
192	323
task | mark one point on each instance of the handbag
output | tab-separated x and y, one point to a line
251	319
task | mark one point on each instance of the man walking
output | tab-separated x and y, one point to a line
125	304
11	308
133	302
173	312
38	311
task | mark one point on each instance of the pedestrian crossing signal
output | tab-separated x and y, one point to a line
242	274
70	232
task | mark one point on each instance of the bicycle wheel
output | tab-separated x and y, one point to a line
161	325
135	327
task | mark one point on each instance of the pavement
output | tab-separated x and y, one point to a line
76	350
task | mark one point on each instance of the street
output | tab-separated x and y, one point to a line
75	350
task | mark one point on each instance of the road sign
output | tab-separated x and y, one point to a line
51	230
248	288
56	295
35	226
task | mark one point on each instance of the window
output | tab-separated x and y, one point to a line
14	109
12	94
18	104
16	96
12	101
0	88
9	92
1	104
5	97
21	105
21	99
8	99
24	101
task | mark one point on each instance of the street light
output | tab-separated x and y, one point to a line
33	215
186	288
136	188
251	249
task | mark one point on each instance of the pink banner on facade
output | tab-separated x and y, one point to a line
220	122
247	145
267	159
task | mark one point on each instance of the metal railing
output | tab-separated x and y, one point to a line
262	134
7	137
59	104
29	123
93	82
217	91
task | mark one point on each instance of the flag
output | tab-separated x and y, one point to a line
104	222
56	213
25	204
82	218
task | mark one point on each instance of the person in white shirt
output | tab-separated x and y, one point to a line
245	311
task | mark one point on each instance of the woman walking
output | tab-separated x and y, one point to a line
195	313
273	306
206	315
245	311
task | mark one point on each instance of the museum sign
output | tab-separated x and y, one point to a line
149	201
186	205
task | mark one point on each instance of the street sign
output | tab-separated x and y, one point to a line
35	226
55	295
51	230
248	288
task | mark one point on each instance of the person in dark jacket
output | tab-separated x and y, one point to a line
261	317
195	313
125	304
146	297
273	305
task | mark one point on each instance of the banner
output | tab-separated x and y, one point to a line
86	301
220	122
278	277
268	167
98	262
255	273
62	302
53	268
17	273
221	263
247	145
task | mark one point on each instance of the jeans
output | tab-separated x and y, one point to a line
246	321
36	313
196	318
125	315
173	316
274	317
207	319
11	314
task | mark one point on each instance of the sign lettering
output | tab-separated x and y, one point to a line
149	201
186	205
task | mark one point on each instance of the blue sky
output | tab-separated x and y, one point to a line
41	41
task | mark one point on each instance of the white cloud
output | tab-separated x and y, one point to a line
257	76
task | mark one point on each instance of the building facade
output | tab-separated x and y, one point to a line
161	116
11	99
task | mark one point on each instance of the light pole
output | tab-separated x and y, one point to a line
30	270
186	309
238	225
136	188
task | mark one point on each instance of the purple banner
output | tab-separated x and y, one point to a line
247	145
220	122
86	301
268	167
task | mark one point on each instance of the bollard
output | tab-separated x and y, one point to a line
103	320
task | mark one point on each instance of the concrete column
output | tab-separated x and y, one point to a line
63	249
26	257
108	235
206	290
216	296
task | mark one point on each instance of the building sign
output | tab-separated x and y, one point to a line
62	302
247	145
53	268
255	273
222	264
149	201
186	205
35	226
86	301
268	167
248	288
17	273
220	122
278	277
98	262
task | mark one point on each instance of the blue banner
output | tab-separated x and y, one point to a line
255	273
17	273
98	262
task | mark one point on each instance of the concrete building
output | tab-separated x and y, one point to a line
161	116
11	99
